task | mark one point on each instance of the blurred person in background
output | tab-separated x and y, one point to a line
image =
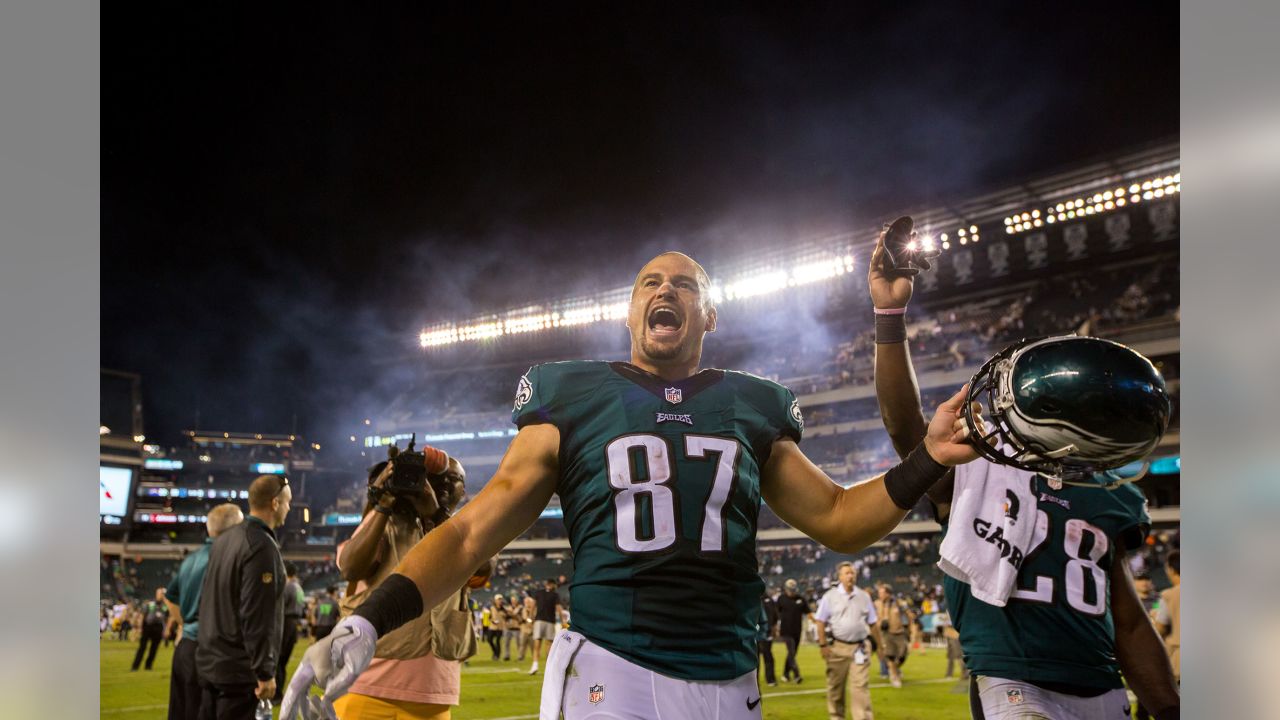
954	653
528	614
416	671
497	624
155	615
294	606
1169	616
486	629
1146	592
792	610
894	620
547	620
324	613
766	631
242	608
846	621
183	598
511	630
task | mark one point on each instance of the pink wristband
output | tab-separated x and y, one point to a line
891	311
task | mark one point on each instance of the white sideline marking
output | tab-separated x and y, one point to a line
135	708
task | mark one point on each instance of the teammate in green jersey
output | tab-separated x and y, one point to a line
660	468
1073	624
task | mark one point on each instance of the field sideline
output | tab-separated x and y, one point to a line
500	690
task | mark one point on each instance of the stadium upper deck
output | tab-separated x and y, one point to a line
1093	250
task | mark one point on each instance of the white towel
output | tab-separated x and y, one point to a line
563	650
991	526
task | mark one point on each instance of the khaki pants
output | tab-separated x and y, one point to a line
841	669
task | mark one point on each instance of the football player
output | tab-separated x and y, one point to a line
1073	625
660	467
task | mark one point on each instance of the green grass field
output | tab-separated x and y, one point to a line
493	690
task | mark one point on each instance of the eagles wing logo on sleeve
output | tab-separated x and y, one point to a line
795	413
524	392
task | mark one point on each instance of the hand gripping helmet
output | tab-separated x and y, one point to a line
1070	408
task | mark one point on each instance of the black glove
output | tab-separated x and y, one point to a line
903	255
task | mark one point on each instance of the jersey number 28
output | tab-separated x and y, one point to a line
662	497
1085	580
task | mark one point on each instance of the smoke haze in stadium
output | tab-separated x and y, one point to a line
287	200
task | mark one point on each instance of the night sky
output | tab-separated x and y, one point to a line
287	199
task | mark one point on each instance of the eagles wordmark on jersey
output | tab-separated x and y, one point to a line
660	486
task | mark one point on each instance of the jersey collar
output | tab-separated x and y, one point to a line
657	386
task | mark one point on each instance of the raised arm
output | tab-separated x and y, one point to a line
850	519
358	556
896	388
436	567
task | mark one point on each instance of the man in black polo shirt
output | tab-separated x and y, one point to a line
792	609
242	608
547	621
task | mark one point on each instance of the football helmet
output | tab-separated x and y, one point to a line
1070	408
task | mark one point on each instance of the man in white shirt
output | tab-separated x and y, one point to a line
846	618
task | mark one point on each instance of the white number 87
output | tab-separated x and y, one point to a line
657	485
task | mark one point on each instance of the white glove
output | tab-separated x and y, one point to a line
333	664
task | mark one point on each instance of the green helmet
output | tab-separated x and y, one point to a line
1069	407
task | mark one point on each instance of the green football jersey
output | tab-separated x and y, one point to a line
660	486
1057	625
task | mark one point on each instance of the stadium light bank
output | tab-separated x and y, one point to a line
829	258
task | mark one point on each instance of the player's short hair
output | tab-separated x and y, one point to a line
700	274
290	570
222	517
843	563
1174	561
264	489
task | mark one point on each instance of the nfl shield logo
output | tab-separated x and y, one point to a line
596	694
674	395
1015	696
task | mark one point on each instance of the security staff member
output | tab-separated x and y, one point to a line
183	597
846	617
295	601
242	608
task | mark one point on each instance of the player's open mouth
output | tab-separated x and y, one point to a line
664	322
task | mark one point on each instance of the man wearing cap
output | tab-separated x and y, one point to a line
792	609
242	607
845	620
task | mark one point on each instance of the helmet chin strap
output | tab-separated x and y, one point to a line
1114	480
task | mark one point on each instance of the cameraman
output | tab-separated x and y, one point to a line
416	671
